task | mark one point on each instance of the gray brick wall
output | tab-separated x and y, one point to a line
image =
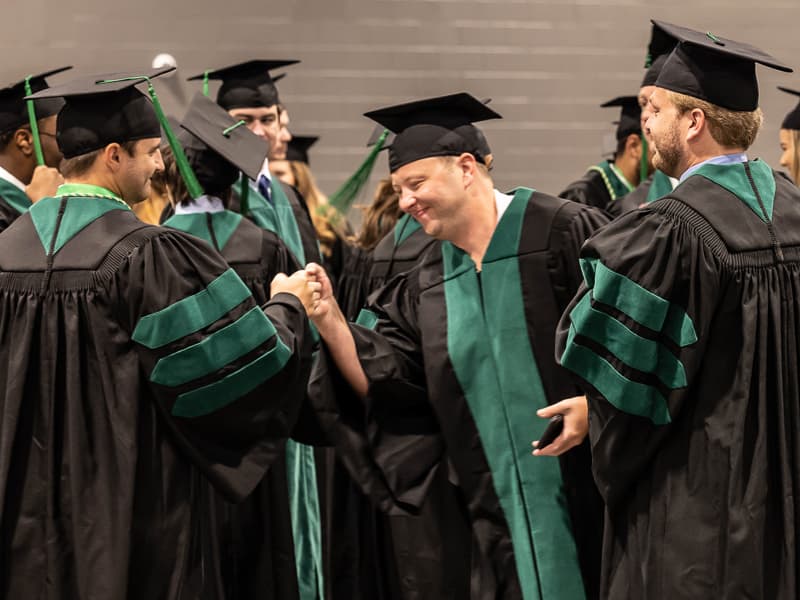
547	64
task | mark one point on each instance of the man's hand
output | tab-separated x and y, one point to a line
576	425
327	306
298	285
44	183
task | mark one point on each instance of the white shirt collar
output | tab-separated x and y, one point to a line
502	202
203	204
265	171
11	179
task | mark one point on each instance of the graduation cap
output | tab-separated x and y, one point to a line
792	119
659	48
14	108
377	135
245	85
441	126
298	147
714	69
630	115
218	146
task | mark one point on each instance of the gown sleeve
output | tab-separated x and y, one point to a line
227	375
634	336
390	441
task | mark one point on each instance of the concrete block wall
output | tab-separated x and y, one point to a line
546	64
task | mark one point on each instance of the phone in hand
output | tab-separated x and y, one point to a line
551	432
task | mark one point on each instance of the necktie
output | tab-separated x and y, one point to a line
263	187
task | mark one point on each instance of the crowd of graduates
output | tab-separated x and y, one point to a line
213	388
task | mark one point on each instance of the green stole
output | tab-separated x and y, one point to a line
223	222
734	178
405	227
659	187
16	198
277	216
490	350
616	186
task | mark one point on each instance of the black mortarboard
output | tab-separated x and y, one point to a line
247	84
440	126
792	120
630	115
298	147
714	69
101	109
221	134
13	108
659	48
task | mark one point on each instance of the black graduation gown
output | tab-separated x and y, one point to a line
686	339
255	535
439	335
600	187
13	203
135	366
286	215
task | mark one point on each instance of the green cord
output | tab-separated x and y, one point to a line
227	132
37	142
205	82
643	161
184	168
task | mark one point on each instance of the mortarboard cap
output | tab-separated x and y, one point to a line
102	109
222	135
441	126
247	84
13	108
659	48
792	120
298	147
714	69
630	115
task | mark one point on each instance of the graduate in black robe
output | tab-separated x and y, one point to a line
426	370
136	367
255	535
685	336
29	155
248	93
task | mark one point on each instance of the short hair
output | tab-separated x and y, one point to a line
729	128
80	165
7	136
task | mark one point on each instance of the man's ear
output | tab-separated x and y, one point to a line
697	123
23	139
112	157
633	146
467	164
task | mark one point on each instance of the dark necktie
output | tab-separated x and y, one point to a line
264	188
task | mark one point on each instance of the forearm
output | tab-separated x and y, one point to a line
338	338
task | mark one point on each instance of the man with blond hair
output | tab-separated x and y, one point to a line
684	336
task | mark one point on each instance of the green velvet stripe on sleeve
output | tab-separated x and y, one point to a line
640	304
220	348
192	313
212	397
628	396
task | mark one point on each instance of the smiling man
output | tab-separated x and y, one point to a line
454	358
685	337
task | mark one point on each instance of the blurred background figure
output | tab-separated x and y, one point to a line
789	137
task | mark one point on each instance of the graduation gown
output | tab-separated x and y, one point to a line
600	187
685	337
13	203
135	367
286	215
432	351
255	535
654	187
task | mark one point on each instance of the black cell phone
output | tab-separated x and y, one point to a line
551	432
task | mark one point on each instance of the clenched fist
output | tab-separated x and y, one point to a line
298	284
44	183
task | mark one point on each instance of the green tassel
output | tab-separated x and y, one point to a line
184	168
205	82
643	161
648	61
37	142
344	197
